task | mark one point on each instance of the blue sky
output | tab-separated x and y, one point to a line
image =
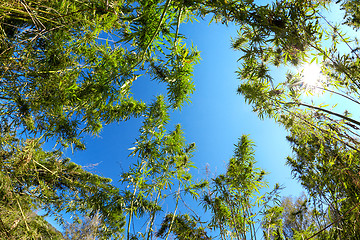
216	117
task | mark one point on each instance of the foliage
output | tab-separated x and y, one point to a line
296	216
183	226
86	229
32	178
163	164
272	223
66	70
330	175
67	67
325	141
17	223
299	218
234	198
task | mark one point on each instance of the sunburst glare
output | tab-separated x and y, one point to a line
311	77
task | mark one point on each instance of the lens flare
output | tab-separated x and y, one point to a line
311	75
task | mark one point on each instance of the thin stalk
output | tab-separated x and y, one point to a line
351	131
251	231
44	167
190	209
335	63
251	225
337	220
153	215
235	223
340	94
167	4
31	16
131	213
244	227
178	25
4	228
5	98
132	202
173	218
156	201
221	231
323	130
23	215
328	111
341	36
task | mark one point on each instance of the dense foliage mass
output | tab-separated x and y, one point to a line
67	69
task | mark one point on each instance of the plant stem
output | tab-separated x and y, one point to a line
23	215
167	4
173	218
329	112
337	220
153	215
131	212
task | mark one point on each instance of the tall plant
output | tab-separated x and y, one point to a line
161	172
234	197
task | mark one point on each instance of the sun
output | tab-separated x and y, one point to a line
311	74
312	77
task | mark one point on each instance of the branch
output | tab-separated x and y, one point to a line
350	210
23	215
335	63
167	4
340	94
174	215
327	111
323	130
178	26
335	29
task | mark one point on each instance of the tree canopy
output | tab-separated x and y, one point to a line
67	69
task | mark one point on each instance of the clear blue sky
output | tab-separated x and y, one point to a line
215	119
